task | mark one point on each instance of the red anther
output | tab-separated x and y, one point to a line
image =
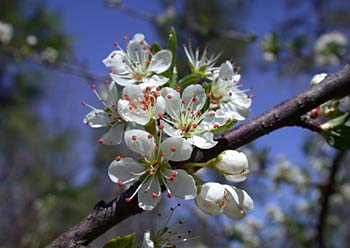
150	136
238	68
148	88
149	47
220	97
199	112
132	106
155	94
216	125
146	96
154	195
157	88
178	89
194	99
100	141
138	77
173	149
144	108
125	38
169	195
93	86
83	103
183	101
133	137
115	44
251	95
120	183
169	96
118	158
171	178
160	115
315	112
148	62
212	114
107	81
174	174
161	127
126	97
184	129
213	101
148	170
162	154
142	42
208	94
194	125
127	200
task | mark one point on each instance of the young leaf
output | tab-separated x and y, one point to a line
126	241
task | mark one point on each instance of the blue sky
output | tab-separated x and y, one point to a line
94	28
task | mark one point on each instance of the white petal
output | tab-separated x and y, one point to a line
226	71
121	170
211	199
238	203
113	136
204	141
191	92
147	242
183	186
137	52
121	80
183	149
232	162
172	102
114	61
154	81
97	118
169	130
160	105
140	141
133	92
137	115
161	61
144	196
237	178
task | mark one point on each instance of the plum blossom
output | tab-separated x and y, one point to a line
226	95
215	198
140	107
233	164
185	118
153	168
6	32
107	117
138	65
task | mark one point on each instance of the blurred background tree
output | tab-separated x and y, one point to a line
45	188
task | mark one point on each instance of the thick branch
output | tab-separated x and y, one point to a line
326	193
285	114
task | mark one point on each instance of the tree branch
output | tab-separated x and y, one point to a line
326	193
288	113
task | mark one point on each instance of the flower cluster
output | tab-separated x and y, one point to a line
163	119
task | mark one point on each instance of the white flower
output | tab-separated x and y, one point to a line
6	32
32	40
49	54
226	95
233	164
153	169
329	48
138	65
107	117
215	198
140	107
186	119
318	78
200	64
147	242
275	212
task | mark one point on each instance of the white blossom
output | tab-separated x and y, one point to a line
318	78
6	32
49	54
138	65
233	164
153	169
32	40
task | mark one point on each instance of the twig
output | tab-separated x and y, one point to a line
326	193
285	114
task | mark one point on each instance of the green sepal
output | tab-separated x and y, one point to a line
126	241
338	135
155	48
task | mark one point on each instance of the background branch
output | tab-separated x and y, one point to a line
288	113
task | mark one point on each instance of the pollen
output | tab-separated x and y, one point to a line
120	183
173	149
160	115
169	97
93	86
216	125
154	195
169	195
118	158
149	136
138	77
133	137
194	99
161	127
183	101
213	101
194	125
100	141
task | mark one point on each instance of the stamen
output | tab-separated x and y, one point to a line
133	137
100	141
118	158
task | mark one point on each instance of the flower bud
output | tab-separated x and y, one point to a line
233	164
238	203
211	199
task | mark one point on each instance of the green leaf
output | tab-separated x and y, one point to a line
155	48
189	79
126	241
338	135
172	46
